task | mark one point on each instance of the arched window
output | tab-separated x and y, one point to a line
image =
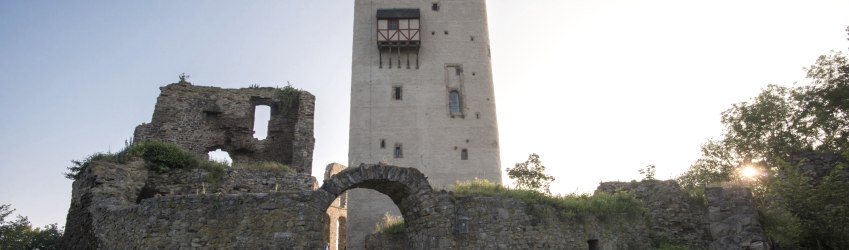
454	104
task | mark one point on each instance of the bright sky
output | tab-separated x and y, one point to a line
598	88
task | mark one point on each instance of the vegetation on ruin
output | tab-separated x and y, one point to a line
158	156
390	224
288	97
271	166
531	175
601	205
20	234
763	139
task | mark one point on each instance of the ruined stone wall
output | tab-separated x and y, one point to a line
112	208
673	216
507	223
234	181
487	222
243	221
733	217
118	206
203	119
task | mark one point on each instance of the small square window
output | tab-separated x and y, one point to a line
399	153
393	24
435	7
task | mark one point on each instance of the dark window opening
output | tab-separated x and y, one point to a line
435	7
396	93
382	143
472	38
399	153
478	115
446	32
593	244
392	24
454	104
262	114
211	115
464	154
433	33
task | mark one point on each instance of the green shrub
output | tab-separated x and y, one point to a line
391	224
601	205
162	156
158	156
288	97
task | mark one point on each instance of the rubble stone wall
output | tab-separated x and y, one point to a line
674	218
734	222
116	206
203	119
111	209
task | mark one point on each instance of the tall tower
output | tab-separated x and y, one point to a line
421	96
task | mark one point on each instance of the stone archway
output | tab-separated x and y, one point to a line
407	187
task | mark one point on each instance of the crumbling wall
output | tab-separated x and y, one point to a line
495	222
674	218
234	181
733	217
112	209
203	119
507	223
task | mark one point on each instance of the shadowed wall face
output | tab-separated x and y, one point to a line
203	119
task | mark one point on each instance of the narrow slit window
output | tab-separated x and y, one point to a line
396	93
454	104
382	143
464	154
399	153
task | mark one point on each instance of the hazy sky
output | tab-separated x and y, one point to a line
597	88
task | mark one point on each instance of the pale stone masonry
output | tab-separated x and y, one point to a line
421	96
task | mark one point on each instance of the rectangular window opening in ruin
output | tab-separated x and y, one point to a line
262	115
464	154
382	143
593	244
220	156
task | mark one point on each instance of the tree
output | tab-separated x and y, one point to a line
20	234
648	172
769	132
531	175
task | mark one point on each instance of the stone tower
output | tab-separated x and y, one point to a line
421	96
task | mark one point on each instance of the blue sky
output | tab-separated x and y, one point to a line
614	85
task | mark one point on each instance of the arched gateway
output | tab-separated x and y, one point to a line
407	187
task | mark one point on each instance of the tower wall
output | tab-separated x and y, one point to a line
453	56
